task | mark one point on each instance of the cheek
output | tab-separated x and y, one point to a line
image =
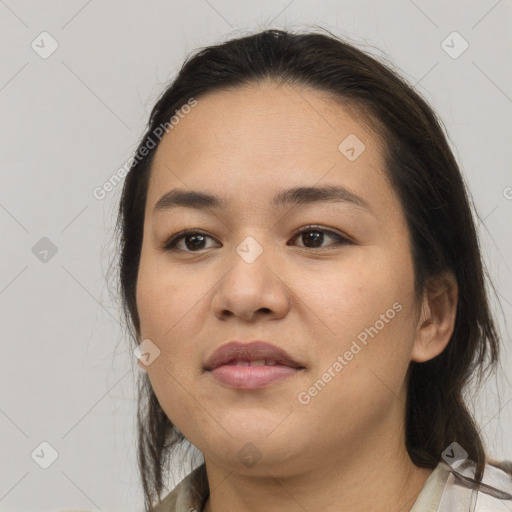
364	354
366	311
353	294
164	298
170	305
152	303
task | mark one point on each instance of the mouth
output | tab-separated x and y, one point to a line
251	365
251	374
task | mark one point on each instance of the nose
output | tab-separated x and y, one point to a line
252	289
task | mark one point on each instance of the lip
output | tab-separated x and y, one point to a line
221	364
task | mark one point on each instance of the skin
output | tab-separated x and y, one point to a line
345	449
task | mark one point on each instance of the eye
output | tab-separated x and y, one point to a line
195	241
316	236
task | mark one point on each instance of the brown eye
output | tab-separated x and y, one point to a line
313	237
194	241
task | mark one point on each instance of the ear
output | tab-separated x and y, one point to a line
437	317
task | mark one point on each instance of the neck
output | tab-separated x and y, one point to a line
367	469
374	482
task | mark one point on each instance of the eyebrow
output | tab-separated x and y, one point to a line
296	196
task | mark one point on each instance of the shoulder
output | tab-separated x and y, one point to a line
462	493
190	494
503	465
453	489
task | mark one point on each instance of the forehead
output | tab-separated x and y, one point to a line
253	140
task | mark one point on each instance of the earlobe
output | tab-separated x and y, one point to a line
437	318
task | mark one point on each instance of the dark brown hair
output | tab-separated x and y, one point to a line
433	196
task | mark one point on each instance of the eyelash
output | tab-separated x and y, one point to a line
170	244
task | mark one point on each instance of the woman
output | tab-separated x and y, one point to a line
301	271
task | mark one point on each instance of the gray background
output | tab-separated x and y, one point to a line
70	120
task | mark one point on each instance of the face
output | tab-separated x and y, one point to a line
338	297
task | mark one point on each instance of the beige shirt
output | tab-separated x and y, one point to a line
183	499
442	492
